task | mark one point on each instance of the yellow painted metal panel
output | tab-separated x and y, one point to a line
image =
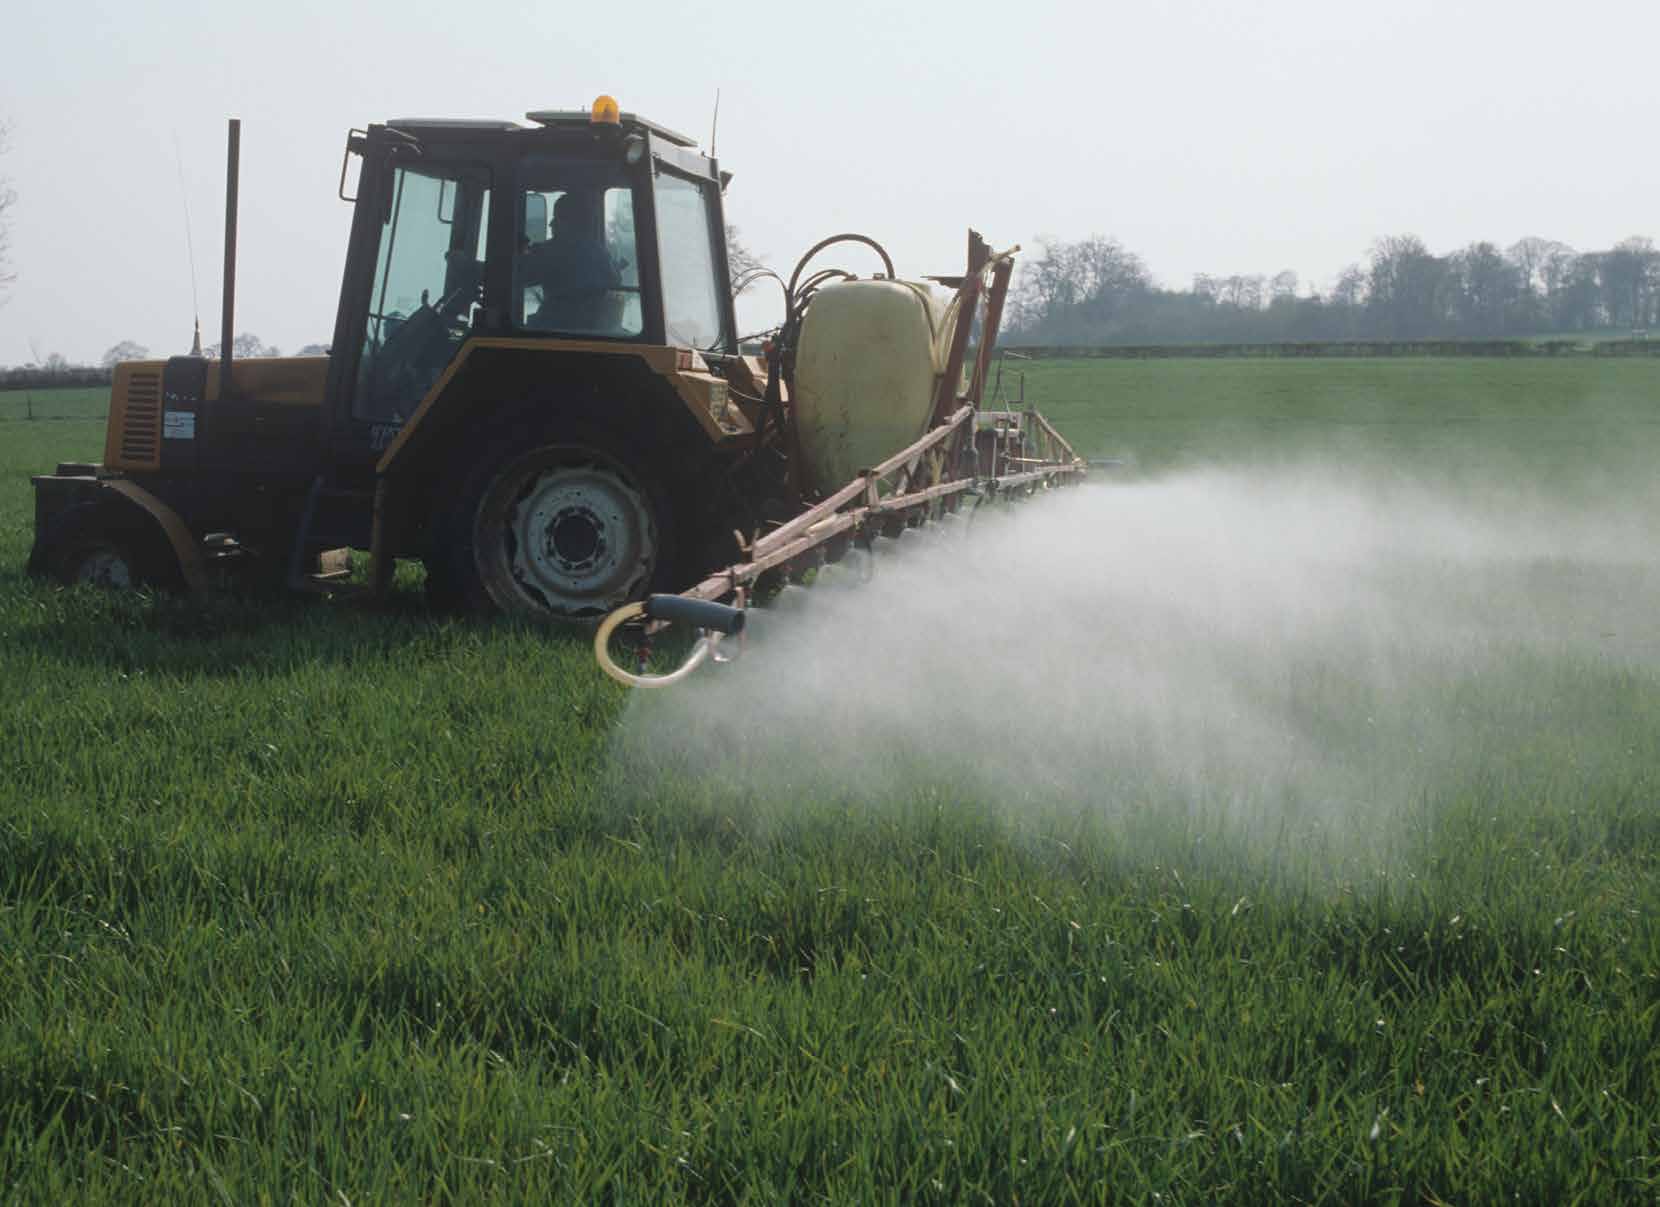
132	437
661	360
298	380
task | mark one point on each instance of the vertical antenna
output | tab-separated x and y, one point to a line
233	155
714	124
190	248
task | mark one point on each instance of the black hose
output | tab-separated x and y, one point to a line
745	279
848	237
702	613
797	293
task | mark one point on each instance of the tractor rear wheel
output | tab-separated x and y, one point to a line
566	530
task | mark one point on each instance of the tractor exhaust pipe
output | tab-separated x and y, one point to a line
233	156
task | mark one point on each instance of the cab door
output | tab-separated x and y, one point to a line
419	290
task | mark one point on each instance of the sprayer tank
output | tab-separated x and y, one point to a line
866	374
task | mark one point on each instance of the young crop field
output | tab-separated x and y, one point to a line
1276	819
54	405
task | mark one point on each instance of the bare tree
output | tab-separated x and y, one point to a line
1112	277
1350	288
739	259
1576	291
1242	292
1048	285
1533	259
1405	287
245	347
1482	287
1555	273
1078	290
125	350
1346	303
1531	255
1627	276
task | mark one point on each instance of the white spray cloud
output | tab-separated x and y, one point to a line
1250	645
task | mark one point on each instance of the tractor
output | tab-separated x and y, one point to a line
535	387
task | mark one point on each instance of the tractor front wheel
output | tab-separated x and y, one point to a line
105	546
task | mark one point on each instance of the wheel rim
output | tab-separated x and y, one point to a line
565	532
103	567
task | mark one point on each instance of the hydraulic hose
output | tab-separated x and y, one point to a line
887	260
717	620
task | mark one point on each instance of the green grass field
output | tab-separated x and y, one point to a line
54	405
304	902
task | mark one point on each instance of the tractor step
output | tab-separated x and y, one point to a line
333	570
328	568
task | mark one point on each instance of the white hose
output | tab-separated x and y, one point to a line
602	652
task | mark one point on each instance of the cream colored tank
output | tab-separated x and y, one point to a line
867	371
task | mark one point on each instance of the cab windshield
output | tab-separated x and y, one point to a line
692	312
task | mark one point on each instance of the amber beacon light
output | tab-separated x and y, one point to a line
605	111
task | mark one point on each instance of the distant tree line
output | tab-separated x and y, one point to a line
52	376
1095	291
54	370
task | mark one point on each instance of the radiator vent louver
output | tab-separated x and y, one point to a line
141	433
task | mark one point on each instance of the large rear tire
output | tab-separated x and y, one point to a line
568	530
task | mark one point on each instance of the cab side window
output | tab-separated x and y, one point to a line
577	269
692	310
428	277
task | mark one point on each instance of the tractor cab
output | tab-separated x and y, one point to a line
581	227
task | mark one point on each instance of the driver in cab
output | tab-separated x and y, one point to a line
573	270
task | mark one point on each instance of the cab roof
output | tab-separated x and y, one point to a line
548	118
581	117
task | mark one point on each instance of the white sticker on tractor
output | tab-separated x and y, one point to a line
178	425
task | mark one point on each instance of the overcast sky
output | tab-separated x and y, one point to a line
1207	137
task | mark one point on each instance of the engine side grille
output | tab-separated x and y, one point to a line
135	417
